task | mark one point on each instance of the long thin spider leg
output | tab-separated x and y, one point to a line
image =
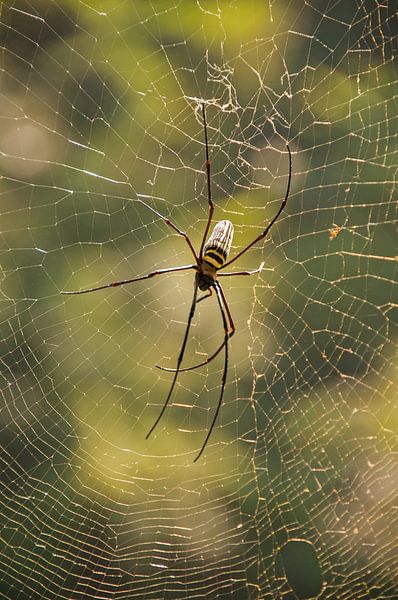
210	201
276	217
205	296
220	297
260	268
180	356
226	306
125	281
184	235
202	364
168	222
176	229
217	352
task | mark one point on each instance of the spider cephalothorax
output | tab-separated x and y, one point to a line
212	257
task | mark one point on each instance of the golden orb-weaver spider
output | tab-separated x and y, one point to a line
212	258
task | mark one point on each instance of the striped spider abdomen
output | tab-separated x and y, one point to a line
218	246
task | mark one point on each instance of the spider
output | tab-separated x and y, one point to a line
212	258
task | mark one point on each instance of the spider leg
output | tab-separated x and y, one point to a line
180	357
205	362
205	296
182	234
209	199
221	300
125	281
217	352
260	268
276	217
171	224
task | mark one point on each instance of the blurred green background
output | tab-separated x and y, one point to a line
100	127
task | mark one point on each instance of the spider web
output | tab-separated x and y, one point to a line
101	130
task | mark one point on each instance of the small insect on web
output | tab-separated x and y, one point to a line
212	258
